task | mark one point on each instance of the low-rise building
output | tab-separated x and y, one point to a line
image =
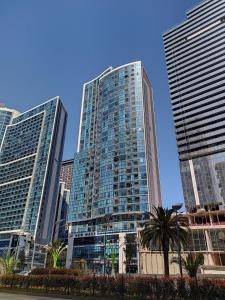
208	237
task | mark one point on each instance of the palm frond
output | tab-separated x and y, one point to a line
8	262
164	228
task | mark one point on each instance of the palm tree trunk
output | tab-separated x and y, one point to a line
55	258
196	280
166	263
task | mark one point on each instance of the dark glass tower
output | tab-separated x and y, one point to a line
195	52
116	176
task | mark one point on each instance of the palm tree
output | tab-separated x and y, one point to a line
55	249
8	261
165	231
113	255
191	263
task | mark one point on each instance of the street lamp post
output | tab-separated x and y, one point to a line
176	208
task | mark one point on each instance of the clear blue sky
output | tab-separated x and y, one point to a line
51	47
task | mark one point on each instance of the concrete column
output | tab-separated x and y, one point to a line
211	219
209	246
122	257
33	257
27	247
10	244
138	258
21	244
194	183
140	262
69	254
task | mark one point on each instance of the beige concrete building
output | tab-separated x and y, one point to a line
208	237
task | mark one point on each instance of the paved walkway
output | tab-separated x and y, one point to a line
6	296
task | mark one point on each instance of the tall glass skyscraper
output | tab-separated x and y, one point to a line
195	57
116	175
30	161
6	116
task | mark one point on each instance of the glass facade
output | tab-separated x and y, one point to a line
209	178
5	240
6	116
30	160
66	173
198	241
116	177
196	70
60	231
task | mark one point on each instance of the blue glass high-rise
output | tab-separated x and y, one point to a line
116	176
30	161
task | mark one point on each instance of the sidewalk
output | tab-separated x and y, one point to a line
10	295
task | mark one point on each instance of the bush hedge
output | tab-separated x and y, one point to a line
139	287
53	271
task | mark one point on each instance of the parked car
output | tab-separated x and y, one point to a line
24	273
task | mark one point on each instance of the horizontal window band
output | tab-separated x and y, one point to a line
197	53
204	6
219	65
189	135
200	140
207	66
168	35
210	99
206	40
201	67
192	146
203	147
209	109
189	155
198	94
198	126
209	117
198	85
210	19
207	52
194	64
197	106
